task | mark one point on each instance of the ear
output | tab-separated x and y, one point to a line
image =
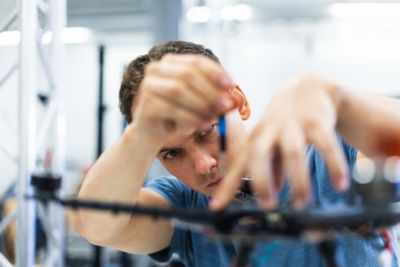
241	101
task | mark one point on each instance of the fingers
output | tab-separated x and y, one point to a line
251	161
277	168
231	183
269	154
205	77
181	120
293	153
177	93
326	142
212	70
192	82
260	169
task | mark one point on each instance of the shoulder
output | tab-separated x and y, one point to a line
176	193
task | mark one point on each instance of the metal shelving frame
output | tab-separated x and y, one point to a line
35	134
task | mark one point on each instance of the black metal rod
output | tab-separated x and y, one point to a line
243	256
97	262
327	249
101	106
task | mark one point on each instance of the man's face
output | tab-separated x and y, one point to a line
193	157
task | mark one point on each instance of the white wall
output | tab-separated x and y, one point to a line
363	55
81	99
260	57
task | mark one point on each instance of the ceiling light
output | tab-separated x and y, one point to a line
72	35
240	12
75	35
365	10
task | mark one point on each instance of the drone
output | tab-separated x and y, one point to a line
375	208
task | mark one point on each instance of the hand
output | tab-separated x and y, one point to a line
180	92
304	111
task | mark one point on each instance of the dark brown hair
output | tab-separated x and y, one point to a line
134	73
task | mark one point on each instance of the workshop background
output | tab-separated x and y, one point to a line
261	43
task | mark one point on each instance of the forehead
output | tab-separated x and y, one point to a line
179	138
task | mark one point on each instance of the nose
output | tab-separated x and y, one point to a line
203	161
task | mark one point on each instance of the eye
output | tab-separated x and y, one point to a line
171	154
206	133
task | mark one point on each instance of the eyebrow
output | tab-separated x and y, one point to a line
165	149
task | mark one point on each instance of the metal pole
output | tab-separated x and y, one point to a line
56	215
98	251
27	133
101	106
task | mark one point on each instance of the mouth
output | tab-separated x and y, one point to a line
214	183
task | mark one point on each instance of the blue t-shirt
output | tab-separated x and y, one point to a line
198	250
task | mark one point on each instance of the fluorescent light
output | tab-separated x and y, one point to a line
365	10
72	35
9	38
75	35
240	12
198	14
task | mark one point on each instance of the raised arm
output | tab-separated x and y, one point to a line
370	122
310	109
178	93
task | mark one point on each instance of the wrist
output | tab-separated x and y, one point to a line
331	89
136	137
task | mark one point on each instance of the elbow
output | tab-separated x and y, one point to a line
83	227
95	230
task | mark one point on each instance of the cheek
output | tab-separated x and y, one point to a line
213	147
179	169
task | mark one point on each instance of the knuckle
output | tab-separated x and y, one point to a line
174	90
169	109
328	144
187	74
312	122
292	152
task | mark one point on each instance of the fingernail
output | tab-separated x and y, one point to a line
224	80
214	204
343	184
298	204
224	103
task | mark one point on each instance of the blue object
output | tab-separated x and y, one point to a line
222	133
222	125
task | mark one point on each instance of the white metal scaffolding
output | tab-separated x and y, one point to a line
37	18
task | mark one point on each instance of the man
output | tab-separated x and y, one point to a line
172	102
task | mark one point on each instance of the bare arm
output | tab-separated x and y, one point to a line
370	122
118	176
309	109
178	93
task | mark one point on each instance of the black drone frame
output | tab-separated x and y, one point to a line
246	223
